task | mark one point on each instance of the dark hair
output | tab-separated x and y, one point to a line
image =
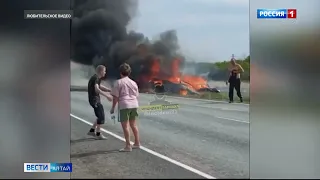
125	69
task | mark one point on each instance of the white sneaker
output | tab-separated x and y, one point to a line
101	137
91	134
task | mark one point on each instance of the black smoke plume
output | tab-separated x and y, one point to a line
99	36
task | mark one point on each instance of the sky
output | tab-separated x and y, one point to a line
208	30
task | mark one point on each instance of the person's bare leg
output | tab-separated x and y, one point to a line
100	121
94	126
126	132
99	136
98	128
135	131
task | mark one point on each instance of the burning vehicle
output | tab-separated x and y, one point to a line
171	80
179	86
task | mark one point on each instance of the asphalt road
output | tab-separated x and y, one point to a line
212	137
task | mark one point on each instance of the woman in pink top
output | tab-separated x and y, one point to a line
126	92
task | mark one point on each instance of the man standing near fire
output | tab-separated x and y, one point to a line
234	71
95	89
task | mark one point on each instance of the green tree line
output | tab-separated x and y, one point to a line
219	70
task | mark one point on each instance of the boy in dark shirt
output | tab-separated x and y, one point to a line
94	90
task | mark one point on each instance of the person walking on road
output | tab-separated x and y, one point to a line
95	89
126	92
234	71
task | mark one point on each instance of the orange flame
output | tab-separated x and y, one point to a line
155	68
183	92
156	75
175	70
196	82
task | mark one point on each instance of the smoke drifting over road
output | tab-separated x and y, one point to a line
99	36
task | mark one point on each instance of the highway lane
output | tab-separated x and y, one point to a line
212	137
101	160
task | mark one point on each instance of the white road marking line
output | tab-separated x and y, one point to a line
151	151
218	108
195	99
238	110
231	119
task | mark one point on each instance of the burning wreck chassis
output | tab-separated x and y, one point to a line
167	87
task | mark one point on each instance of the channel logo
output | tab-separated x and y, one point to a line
276	13
47	167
